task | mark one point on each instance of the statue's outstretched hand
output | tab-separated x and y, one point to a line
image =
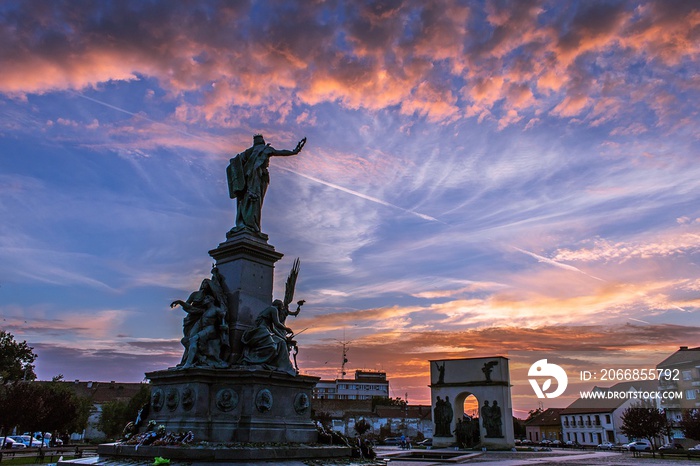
299	146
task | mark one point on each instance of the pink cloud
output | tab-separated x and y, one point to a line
432	60
664	245
667	30
571	106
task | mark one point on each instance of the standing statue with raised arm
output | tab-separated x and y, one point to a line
248	178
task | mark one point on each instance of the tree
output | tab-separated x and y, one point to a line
643	421
42	407
15	359
534	413
64	411
519	430
116	414
362	426
690	424
384	401
385	430
113	418
20	402
138	401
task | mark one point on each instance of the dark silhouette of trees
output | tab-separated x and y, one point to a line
20	402
64	411
116	414
643	421
15	359
42	407
690	424
362	426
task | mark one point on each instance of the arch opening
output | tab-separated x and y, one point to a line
467	431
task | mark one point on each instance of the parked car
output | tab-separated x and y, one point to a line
638	445
556	443
10	443
46	438
392	441
606	446
671	446
25	439
695	448
30	441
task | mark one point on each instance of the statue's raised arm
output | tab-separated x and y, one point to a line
300	146
248	178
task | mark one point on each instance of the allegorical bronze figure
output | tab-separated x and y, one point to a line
248	179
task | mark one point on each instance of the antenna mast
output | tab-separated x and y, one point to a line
345	359
344	343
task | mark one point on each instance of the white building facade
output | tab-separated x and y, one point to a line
365	386
594	421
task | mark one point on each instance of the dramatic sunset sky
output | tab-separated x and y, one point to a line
480	177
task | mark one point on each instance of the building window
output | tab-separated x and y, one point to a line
607	419
690	394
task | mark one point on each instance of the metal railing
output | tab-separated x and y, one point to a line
48	455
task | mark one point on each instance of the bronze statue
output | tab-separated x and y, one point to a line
266	343
205	328
491	419
487	369
248	179
441	373
496	421
442	417
437	418
270	342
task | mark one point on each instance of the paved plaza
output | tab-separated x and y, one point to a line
567	457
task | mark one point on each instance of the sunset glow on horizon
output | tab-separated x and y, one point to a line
480	178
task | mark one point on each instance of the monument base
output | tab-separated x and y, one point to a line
233	405
193	455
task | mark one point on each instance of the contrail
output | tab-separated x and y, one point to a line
638	320
574	269
363	196
325	183
555	263
137	115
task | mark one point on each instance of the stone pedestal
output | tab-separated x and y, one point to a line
234	405
247	263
